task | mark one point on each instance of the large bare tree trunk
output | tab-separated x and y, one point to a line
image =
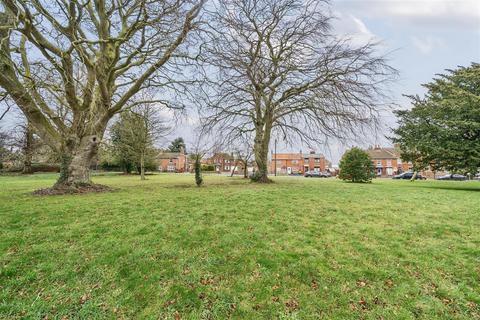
262	140
28	150
76	161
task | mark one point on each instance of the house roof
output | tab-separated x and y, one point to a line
222	155
287	156
169	155
383	153
313	155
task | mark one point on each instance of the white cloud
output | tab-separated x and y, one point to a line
457	13
427	44
348	25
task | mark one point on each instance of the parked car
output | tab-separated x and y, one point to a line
408	176
317	174
456	177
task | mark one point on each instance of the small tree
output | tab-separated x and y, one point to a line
197	157
134	135
356	166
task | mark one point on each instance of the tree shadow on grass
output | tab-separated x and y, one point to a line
451	187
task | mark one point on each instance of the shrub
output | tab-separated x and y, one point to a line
208	167
356	166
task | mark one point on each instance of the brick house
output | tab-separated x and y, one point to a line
387	161
173	161
222	161
298	163
226	163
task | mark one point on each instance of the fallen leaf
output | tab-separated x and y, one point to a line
389	283
169	303
176	315
292	305
361	283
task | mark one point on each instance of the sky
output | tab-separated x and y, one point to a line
422	38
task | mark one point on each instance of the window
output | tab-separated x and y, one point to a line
294	161
379	163
317	160
389	163
227	168
399	161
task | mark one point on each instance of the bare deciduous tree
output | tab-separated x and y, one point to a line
98	55
275	66
136	132
5	106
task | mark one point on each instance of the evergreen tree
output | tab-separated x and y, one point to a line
356	166
178	145
443	127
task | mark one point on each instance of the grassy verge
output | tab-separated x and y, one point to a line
296	249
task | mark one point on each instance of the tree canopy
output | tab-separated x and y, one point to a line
276	67
134	135
70	66
356	166
443	127
177	145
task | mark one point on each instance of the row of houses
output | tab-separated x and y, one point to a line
299	163
221	162
386	160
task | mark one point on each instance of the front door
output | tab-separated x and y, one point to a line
289	170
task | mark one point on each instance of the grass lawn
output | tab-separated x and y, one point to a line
296	249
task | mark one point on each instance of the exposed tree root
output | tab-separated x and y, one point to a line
261	179
61	189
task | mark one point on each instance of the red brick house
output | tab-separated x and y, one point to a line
173	161
222	161
298	163
226	163
387	161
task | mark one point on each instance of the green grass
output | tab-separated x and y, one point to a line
296	249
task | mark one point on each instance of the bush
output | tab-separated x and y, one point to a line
356	166
208	167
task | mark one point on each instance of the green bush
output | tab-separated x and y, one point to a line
208	167
356	166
